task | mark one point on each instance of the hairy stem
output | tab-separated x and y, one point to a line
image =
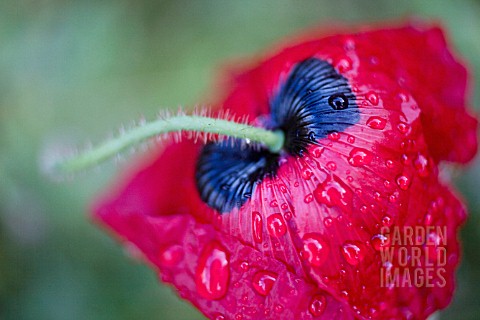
273	140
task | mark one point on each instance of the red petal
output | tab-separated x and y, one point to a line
218	274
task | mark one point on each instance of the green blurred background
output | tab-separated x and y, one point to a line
76	70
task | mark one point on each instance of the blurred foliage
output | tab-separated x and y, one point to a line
74	70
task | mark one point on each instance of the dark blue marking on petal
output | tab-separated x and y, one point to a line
227	172
314	101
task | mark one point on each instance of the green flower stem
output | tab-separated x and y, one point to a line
273	140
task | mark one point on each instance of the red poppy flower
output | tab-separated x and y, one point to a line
350	220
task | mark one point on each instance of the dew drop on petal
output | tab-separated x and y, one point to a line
219	317
421	165
344	64
428	219
387	221
170	256
392	198
263	281
389	164
353	252
332	166
403	128
360	157
274	204
257	227
276	225
318	304
308	198
213	272
334	136
351	139
372	97
328	222
377	123
403	182
317	151
306	173
244	266
288	216
315	249
334	192
279	308
379	241
405	159
433	242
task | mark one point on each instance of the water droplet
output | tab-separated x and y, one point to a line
421	165
276	225
403	127
328	222
351	139
363	209
377	123
349	44
372	97
257	227
238	316
354	252
263	282
350	179
403	182
334	136
306	173
315	249
334	192
373	60
278	308
219	317
387	221
433	242
282	188
343	65
288	215
379	241
428	219
170	256
405	159
389	164
360	157
244	266
308	198
377	196
213	272
392	198
274	204
317	151
387	184
332	166
318	304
